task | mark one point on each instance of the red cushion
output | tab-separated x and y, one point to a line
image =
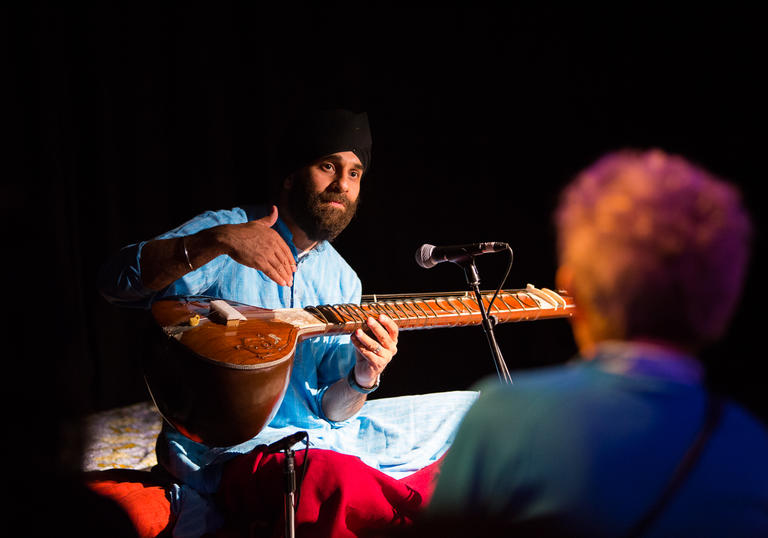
139	494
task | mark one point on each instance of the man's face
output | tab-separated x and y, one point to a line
323	196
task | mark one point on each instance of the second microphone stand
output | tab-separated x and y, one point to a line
473	279
289	485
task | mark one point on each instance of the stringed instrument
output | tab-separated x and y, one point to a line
223	367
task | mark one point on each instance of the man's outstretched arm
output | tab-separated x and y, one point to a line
253	243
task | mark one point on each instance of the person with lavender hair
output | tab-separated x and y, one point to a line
625	439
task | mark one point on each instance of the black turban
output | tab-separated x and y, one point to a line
322	133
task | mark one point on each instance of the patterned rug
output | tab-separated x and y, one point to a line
122	438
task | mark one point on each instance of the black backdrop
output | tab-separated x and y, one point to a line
125	122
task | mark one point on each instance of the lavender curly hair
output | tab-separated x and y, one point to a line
657	246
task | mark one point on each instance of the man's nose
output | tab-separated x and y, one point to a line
343	180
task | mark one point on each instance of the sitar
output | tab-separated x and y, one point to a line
223	367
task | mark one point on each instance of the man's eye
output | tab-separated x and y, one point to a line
327	166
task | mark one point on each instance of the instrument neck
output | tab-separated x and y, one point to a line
411	312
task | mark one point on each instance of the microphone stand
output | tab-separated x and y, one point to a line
473	279
289	478
289	475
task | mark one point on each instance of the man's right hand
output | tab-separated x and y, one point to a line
255	244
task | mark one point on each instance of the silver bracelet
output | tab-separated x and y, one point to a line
186	254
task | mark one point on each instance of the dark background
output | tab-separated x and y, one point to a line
125	122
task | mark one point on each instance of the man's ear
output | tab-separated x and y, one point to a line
564	279
580	325
288	182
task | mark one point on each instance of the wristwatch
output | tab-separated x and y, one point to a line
354	384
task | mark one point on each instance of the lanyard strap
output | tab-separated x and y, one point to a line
712	418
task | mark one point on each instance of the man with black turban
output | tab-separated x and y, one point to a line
280	257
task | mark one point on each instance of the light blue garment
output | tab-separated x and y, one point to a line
395	435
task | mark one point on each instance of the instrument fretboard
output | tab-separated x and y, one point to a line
446	309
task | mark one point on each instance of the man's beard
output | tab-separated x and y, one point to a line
320	221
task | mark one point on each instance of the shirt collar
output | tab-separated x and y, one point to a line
639	358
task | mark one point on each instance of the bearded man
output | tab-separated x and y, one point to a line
280	256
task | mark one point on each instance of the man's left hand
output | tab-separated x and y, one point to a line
374	353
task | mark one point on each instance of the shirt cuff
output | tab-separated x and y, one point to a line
334	423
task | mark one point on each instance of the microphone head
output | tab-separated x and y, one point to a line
495	247
424	256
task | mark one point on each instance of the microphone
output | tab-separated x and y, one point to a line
429	255
285	442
